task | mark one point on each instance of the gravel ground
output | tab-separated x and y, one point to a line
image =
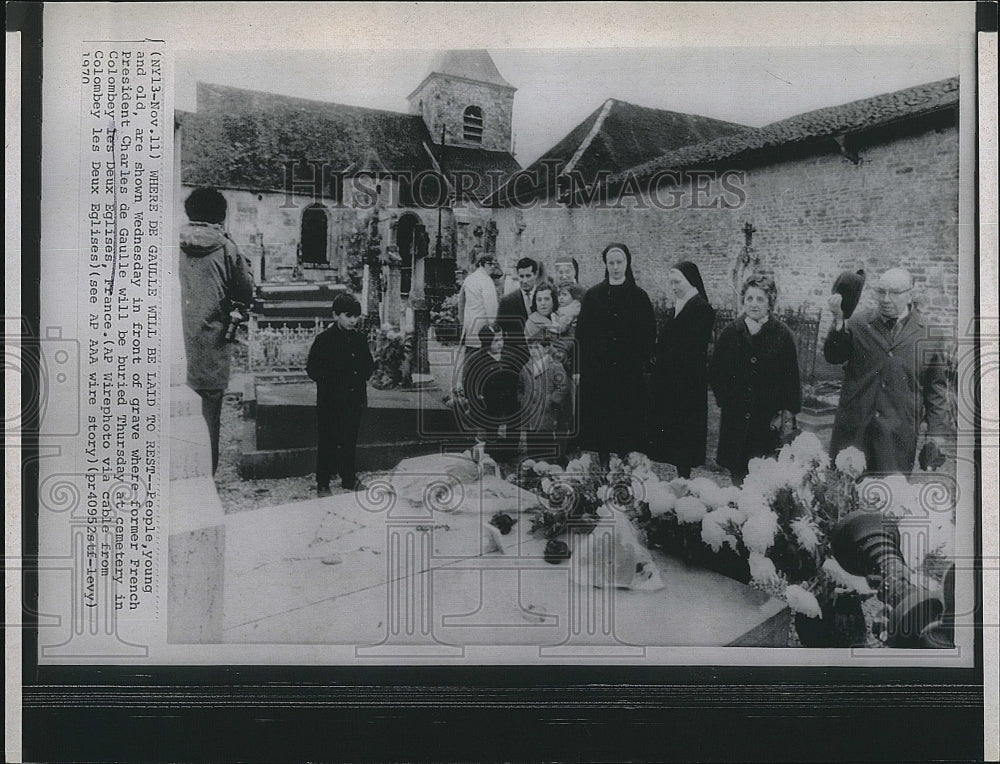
238	495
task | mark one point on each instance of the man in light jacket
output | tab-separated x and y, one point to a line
479	300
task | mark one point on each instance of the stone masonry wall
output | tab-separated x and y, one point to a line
814	218
263	222
445	100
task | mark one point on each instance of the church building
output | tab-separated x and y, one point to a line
315	188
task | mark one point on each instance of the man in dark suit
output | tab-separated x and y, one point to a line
515	306
512	315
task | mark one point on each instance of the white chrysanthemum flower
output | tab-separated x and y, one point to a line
660	498
730	495
528	464
807	448
556	469
638	461
574	466
690	509
752	501
585	461
707	490
851	461
603	493
714	535
846	580
547	485
806	533
759	530
728	514
713	530
679	486
802	601
541	468
767	476
762	569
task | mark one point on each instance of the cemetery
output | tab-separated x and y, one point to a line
450	551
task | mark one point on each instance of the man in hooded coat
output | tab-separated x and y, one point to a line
213	275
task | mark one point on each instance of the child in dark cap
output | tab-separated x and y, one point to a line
340	363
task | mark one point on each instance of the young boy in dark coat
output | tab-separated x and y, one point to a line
340	363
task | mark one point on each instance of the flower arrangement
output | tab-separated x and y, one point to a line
389	355
572	497
444	319
773	532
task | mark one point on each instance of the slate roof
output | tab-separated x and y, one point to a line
481	162
615	137
242	138
474	65
857	116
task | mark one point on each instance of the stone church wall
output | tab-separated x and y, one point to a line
814	217
264	223
444	100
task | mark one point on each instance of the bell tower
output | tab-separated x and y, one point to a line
465	94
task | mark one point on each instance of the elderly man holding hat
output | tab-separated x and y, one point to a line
894	376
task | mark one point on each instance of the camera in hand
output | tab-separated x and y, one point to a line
237	314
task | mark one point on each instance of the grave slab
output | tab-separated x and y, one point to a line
395	425
435	583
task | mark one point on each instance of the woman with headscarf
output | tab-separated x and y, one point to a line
615	333
680	378
754	374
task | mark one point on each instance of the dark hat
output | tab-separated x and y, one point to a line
345	302
848	285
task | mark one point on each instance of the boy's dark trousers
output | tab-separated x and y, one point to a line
338	422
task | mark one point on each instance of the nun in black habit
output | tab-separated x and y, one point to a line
680	378
615	334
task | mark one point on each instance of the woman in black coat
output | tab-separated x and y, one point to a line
680	379
615	334
754	374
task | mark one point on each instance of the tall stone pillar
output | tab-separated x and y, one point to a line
392	300
196	544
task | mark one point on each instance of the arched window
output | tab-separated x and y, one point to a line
472	124
314	235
